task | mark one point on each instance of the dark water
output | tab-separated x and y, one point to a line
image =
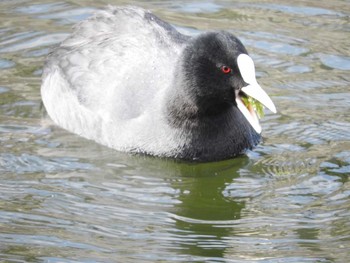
66	199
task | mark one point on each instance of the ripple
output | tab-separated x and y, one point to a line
344	156
187	30
335	61
293	40
322	133
271	61
38	53
288	165
339	164
41	8
28	163
70	16
42	240
9	39
200	7
319	134
244	187
313	84
5	64
298	69
299	10
4	89
22	129
43	39
276	47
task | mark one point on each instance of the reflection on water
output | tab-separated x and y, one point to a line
65	199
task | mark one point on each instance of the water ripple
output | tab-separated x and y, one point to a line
69	16
5	64
18	239
39	40
276	47
300	10
42	8
27	163
335	62
199	7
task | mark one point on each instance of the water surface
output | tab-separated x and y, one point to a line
66	199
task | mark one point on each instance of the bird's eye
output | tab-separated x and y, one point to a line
226	69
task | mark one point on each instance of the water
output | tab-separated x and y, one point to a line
66	199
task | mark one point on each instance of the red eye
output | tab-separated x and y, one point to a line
225	69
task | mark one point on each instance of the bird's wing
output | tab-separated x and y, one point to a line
117	58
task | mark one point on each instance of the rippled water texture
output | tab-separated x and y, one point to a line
66	199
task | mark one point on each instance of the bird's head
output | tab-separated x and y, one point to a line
220	74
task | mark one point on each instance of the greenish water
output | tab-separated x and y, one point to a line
66	199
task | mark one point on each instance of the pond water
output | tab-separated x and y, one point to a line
67	199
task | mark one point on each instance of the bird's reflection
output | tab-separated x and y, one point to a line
203	217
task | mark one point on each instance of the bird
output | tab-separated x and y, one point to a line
129	80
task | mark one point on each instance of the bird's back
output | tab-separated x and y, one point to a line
110	74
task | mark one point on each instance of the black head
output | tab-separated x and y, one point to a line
211	70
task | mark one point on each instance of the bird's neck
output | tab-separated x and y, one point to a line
214	132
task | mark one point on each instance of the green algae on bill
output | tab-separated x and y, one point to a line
256	105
